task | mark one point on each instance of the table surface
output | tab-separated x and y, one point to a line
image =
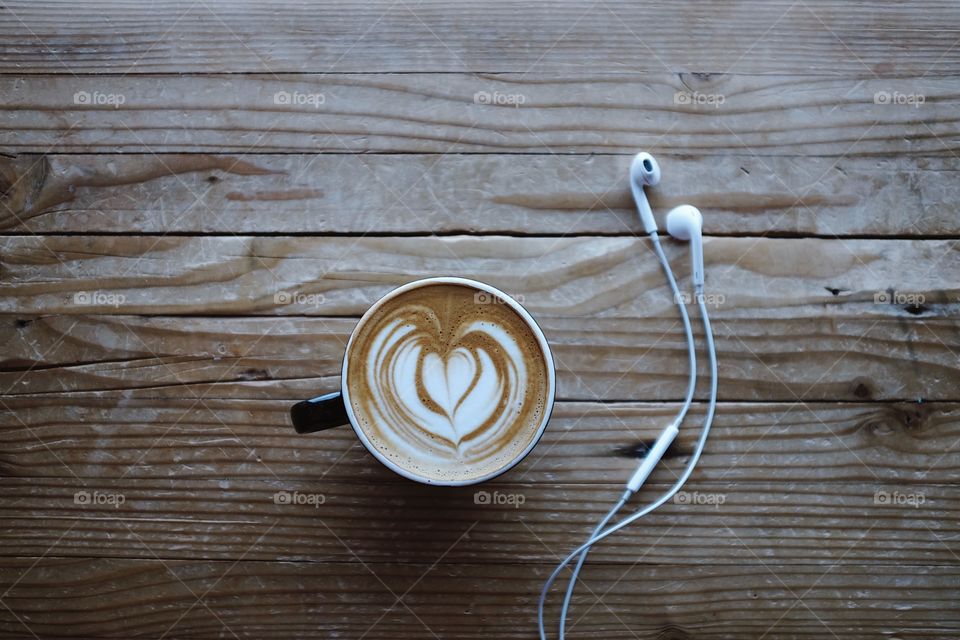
200	199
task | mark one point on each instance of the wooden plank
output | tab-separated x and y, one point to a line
145	380
128	598
568	277
122	435
499	193
794	355
817	36
822	523
857	116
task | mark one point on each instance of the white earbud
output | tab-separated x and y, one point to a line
685	223
644	171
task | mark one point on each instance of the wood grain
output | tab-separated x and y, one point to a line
434	113
114	435
476	193
120	597
786	358
818	36
786	523
200	199
600	277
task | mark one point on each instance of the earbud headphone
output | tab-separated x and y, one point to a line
683	223
644	172
686	223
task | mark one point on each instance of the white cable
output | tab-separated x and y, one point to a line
688	470
691	386
691	346
583	558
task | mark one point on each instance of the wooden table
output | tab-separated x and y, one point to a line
200	199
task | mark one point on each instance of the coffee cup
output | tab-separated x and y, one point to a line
446	381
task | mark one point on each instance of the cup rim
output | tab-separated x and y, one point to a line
518	308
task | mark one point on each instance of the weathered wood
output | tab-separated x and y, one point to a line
205	599
783	333
822	523
123	435
860	116
570	277
145	380
551	194
794	355
816	36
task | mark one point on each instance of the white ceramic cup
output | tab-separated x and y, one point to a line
335	409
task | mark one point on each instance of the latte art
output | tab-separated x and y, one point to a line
447	386
456	398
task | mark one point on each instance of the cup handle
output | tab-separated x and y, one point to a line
316	414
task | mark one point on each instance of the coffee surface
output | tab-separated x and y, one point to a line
447	382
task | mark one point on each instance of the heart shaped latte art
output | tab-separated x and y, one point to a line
454	397
447	385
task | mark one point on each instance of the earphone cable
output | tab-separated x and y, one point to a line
688	470
687	328
691	386
583	558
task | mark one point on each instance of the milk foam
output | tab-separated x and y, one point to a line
448	387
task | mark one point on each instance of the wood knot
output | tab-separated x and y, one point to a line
701	81
861	389
881	427
913	418
898	426
672	632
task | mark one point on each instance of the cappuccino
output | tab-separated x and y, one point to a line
448	382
